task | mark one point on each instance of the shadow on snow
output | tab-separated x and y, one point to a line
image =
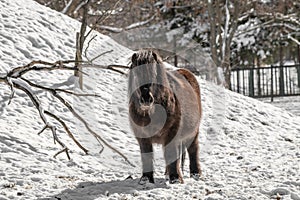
93	190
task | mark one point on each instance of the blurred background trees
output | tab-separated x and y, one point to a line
235	33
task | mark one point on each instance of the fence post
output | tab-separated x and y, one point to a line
272	82
281	81
298	75
238	80
251	83
258	81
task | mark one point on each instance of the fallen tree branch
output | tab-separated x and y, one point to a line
32	66
22	85
15	79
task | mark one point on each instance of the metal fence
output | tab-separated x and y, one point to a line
273	81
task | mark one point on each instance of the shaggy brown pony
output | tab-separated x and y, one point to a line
164	108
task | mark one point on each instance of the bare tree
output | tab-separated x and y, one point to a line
80	39
223	20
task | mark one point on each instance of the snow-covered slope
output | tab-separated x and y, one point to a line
249	150
291	104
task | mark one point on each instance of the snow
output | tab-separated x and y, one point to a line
249	149
291	104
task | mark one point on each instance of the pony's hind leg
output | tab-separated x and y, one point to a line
147	160
193	151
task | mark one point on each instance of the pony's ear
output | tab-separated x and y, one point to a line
155	56
134	57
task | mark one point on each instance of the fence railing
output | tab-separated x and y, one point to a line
273	81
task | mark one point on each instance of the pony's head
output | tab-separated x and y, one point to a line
147	77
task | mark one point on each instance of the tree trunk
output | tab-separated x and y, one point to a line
226	65
78	59
227	72
80	39
298	68
213	44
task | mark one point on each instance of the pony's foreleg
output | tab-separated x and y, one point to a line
193	151
172	157
147	160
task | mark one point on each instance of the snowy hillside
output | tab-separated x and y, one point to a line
291	104
249	149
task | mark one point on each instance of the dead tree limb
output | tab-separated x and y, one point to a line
15	80
19	84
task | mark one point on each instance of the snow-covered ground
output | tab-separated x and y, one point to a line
249	149
291	104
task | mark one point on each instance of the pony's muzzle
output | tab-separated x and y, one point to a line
147	101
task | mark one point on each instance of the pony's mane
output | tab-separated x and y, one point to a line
151	59
145	56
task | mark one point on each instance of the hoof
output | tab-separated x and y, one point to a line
196	176
174	181
145	179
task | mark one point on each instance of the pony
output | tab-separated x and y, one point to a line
164	108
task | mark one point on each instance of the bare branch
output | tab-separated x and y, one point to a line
101	55
59	90
111	67
66	150
67	130
19	71
15	79
62	100
103	17
19	84
12	90
131	26
88	127
88	45
45	127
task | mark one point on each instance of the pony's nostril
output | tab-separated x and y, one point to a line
151	98
148	100
145	89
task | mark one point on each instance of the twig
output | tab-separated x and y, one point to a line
11	89
67	130
110	67
59	90
103	17
116	70
101	55
88	45
66	150
41	131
